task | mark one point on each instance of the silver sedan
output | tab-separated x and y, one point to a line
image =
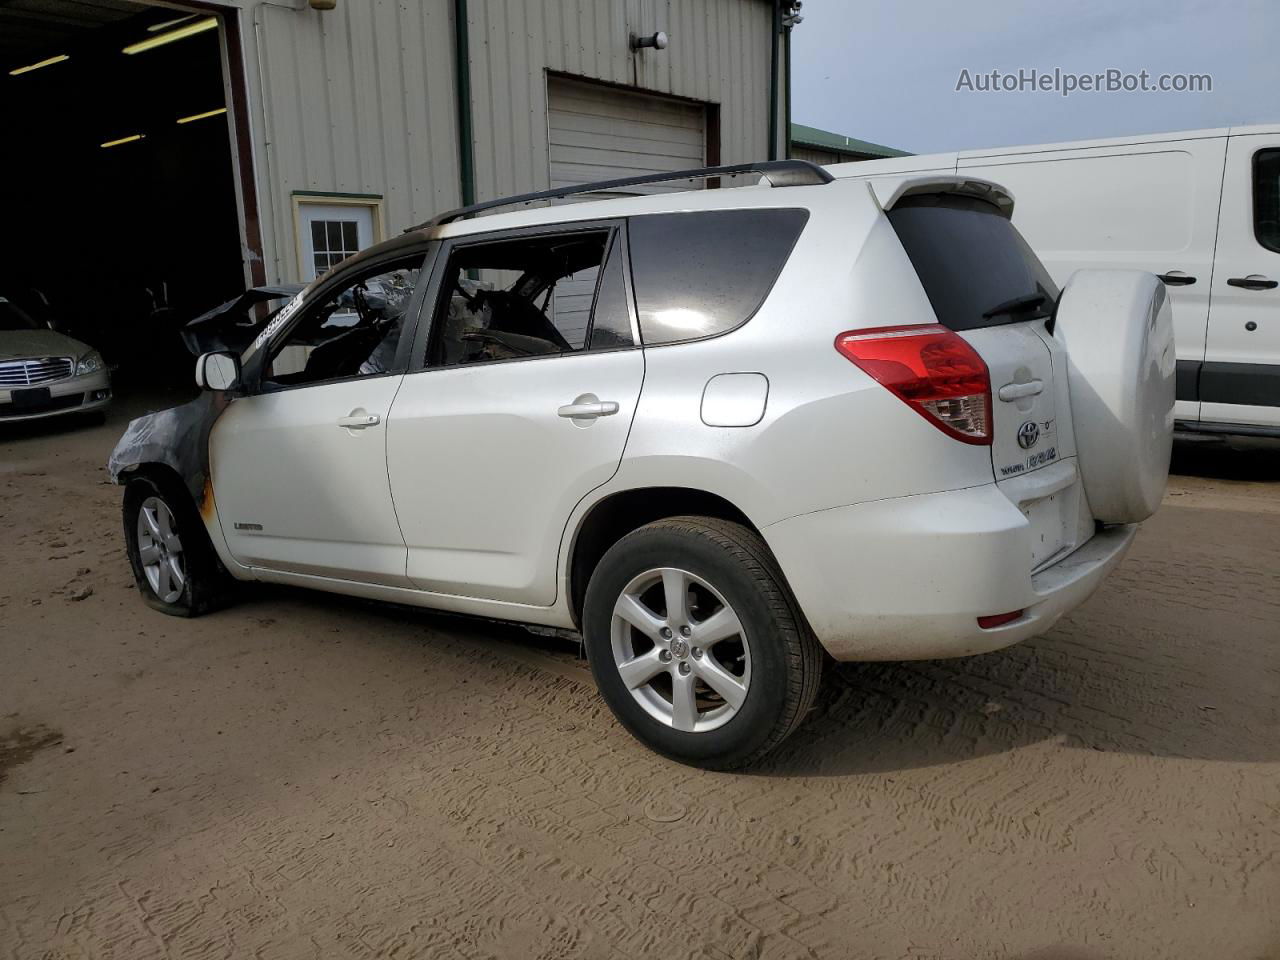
44	373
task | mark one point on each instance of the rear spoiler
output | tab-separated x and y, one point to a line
889	192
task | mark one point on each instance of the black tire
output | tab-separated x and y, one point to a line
207	584
786	659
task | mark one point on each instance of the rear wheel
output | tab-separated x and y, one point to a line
174	564
696	644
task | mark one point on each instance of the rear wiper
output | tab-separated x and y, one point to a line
1028	301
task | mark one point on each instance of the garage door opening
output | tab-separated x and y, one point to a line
121	218
601	132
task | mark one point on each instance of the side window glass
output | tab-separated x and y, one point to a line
517	298
703	273
1266	198
354	332
570	310
611	318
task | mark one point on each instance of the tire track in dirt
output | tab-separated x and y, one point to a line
303	776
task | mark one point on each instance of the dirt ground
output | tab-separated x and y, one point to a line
308	776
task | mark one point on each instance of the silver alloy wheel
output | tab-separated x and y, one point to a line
681	650
160	550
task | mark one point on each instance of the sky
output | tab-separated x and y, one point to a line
887	71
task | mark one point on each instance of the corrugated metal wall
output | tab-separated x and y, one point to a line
820	157
824	157
360	100
719	53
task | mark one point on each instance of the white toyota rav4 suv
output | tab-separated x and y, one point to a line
718	431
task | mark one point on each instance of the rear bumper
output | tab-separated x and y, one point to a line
907	578
70	396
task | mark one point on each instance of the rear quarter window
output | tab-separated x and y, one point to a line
970	258
703	273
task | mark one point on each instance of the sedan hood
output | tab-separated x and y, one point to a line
23	344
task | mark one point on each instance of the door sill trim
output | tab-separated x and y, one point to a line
553	616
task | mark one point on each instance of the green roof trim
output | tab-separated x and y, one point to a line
824	140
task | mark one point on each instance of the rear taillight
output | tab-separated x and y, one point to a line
932	370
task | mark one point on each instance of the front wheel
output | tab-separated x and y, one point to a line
174	564
696	644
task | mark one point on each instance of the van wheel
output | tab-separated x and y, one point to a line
174	564
696	643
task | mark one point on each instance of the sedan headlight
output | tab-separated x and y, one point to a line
91	362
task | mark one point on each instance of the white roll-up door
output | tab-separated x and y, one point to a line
602	133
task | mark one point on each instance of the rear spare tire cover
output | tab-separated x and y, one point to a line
1117	326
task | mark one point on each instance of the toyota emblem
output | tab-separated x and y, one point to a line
1028	434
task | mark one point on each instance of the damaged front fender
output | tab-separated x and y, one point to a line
178	438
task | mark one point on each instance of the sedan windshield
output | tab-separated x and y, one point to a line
13	318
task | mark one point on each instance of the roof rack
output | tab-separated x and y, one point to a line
779	173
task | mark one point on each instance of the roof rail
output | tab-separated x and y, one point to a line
779	173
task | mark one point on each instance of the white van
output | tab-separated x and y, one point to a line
1201	209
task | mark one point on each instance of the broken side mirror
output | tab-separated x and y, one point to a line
218	371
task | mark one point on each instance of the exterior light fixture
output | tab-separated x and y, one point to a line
202	116
190	30
129	139
657	41
36	66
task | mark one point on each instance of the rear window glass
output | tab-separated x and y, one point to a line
12	317
703	273
972	262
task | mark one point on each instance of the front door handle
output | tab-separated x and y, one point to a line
1253	282
582	409
359	421
1175	278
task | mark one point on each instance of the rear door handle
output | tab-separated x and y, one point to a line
588	410
1176	278
360	421
1253	282
1016	391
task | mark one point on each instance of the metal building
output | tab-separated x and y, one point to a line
322	126
363	100
823	147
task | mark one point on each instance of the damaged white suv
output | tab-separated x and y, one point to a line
724	433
